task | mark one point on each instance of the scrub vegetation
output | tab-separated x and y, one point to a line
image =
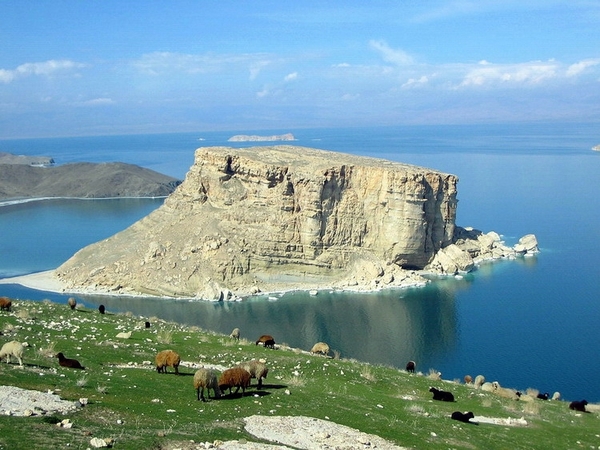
129	402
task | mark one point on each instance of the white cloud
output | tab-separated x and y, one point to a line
394	56
291	76
101	101
415	82
46	68
486	73
581	66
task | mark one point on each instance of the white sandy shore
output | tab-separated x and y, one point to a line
43	281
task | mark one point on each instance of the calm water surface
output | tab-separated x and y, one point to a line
532	322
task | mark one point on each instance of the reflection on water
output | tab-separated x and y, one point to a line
388	327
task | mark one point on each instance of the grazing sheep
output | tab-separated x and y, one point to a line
256	369
235	334
479	380
321	348
411	366
267	341
206	378
102	309
12	348
72	302
442	396
5	304
147	324
468	379
544	396
237	377
66	362
578	405
463	417
556	396
124	335
495	388
167	358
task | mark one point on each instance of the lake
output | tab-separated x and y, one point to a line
530	322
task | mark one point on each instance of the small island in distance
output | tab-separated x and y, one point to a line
255	138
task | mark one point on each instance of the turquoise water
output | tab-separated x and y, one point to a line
532	322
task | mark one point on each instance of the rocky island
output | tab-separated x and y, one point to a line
264	219
254	138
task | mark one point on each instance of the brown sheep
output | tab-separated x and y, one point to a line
238	377
167	358
256	369
5	304
66	362
266	340
72	302
206	378
468	379
321	348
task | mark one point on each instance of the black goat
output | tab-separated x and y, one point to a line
578	406
463	417
443	396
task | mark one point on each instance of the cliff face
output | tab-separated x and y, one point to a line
268	218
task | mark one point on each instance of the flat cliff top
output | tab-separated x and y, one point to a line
304	157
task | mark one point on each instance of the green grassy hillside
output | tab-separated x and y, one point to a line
141	409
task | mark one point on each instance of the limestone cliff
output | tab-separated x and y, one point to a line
280	217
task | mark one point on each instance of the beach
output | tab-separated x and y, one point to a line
43	281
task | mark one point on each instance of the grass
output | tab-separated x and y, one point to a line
141	409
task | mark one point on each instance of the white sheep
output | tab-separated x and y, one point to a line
235	334
257	369
321	348
12	348
206	378
479	380
124	335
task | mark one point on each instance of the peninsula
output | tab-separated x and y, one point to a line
266	219
254	138
28	177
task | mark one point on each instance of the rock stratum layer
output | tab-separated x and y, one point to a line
276	218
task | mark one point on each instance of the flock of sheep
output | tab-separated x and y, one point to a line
240	376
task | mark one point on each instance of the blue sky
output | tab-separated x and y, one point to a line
118	67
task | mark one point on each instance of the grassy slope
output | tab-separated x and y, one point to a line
375	399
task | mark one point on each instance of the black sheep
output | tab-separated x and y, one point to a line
410	366
66	362
266	340
442	395
544	396
463	417
578	406
101	308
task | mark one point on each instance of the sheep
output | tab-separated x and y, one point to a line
146	324
443	396
468	379
167	358
556	396
101	309
321	348
544	396
206	378
267	341
5	304
66	362
124	335
479	380
235	376
463	417
10	349
235	334
411	366
578	405
72	302
495	388
256	369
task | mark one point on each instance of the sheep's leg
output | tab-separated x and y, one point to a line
20	361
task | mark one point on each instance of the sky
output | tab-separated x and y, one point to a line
72	68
